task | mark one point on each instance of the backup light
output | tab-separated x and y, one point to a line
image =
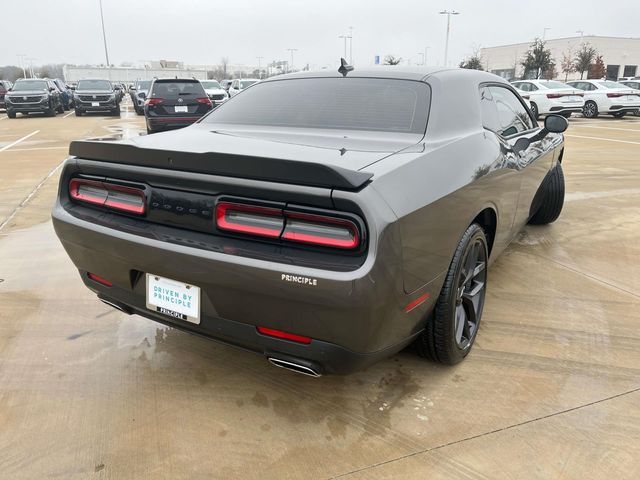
110	195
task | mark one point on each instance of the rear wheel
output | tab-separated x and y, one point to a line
534	110
552	198
619	114
453	325
78	113
590	109
566	114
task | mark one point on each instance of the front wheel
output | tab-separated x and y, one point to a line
116	111
566	114
78	112
11	114
534	110
552	191
453	325
60	108
590	109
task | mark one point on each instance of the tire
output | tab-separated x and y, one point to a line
51	112
150	131
60	108
590	109
566	114
619	114
11	114
116	111
552	190
78	113
534	110
452	327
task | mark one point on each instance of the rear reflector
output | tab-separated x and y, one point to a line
110	195
416	303
299	227
250	219
98	279
284	335
321	230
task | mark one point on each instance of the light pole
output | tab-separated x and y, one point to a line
345	44
104	35
350	45
448	13
291	50
544	32
31	72
21	57
422	55
426	50
581	32
259	66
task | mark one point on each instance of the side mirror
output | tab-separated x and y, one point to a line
132	88
555	123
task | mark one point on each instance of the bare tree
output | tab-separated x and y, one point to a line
223	64
567	65
584	58
392	60
598	69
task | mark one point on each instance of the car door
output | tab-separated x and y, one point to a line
532	163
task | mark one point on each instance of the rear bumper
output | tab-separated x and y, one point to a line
623	108
355	318
160	123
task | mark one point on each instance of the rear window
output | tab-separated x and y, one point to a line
99	85
609	84
552	84
349	103
144	84
211	84
175	89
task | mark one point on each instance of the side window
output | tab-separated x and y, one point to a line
488	111
512	115
591	86
522	86
532	87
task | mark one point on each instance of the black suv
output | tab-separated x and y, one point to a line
5	86
96	96
33	95
175	103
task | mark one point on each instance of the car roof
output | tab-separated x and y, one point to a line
395	72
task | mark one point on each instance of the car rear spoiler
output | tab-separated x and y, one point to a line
224	164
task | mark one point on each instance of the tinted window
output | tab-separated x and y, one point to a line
143	84
513	117
99	85
336	103
522	86
210	84
247	83
609	84
24	85
175	89
552	84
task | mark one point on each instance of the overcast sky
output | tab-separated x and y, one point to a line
203	31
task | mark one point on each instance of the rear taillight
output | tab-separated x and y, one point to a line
250	219
110	195
321	230
555	95
270	332
153	101
615	95
299	227
204	100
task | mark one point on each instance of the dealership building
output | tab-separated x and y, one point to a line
131	74
621	56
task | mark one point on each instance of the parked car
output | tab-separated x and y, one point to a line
525	96
138	94
5	86
96	95
33	95
119	91
240	84
66	94
215	92
226	84
326	235
607	97
174	103
635	85
549	96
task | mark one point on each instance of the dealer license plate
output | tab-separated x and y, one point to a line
95	104
174	299
182	109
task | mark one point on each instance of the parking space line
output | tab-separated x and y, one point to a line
37	148
609	128
604	139
7	147
70	113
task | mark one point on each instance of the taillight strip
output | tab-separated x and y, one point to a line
224	210
301	236
110	195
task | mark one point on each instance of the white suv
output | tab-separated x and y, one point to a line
549	96
238	85
606	96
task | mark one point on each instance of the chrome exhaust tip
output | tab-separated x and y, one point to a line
294	367
115	305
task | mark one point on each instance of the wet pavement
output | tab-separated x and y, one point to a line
551	389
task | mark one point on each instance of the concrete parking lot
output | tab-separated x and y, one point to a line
551	389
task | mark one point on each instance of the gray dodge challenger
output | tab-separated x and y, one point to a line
324	220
